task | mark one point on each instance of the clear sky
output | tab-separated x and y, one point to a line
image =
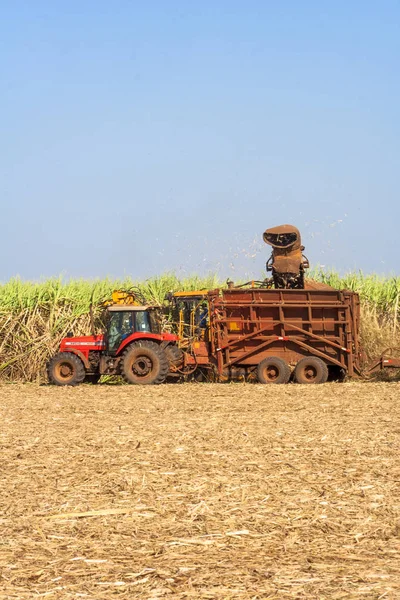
140	137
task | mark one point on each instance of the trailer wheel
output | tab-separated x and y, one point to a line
65	368
311	370
273	370
144	363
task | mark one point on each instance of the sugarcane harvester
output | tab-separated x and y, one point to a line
287	262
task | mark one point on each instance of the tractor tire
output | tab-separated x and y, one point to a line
174	355
273	370
65	368
144	363
311	370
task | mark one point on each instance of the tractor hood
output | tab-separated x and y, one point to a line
84	342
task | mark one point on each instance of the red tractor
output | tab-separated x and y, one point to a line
132	345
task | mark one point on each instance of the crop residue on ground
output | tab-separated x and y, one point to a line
200	491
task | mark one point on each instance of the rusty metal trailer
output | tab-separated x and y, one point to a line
276	334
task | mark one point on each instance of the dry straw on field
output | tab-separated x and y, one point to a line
35	316
200	492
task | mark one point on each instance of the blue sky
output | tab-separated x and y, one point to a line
137	138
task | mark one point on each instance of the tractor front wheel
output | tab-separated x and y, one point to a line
65	368
144	363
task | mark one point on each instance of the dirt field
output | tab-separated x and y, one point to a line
200	491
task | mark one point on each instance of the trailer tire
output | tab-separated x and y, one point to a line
65	368
311	370
144	363
273	370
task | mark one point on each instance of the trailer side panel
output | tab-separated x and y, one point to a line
248	325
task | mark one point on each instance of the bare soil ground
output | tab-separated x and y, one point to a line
200	491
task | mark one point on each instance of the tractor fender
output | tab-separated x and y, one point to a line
81	356
137	337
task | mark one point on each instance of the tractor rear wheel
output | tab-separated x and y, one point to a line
174	355
65	368
273	370
311	370
144	363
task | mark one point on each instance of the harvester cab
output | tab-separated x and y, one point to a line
132	345
190	314
287	262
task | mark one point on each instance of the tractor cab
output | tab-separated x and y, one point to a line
124	321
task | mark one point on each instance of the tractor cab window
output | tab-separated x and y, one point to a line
155	321
142	321
119	327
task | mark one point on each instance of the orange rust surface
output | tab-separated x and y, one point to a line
311	284
286	259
